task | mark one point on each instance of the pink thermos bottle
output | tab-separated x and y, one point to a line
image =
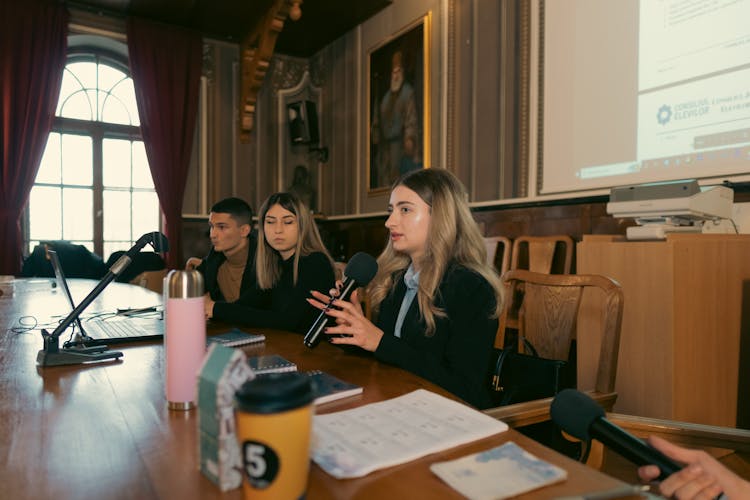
184	336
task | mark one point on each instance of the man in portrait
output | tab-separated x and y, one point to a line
395	134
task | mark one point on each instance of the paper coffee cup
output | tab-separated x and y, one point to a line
274	419
7	284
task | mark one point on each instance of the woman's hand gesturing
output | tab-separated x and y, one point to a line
350	322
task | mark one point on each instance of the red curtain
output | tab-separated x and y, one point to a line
33	45
165	62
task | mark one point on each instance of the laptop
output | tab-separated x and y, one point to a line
113	329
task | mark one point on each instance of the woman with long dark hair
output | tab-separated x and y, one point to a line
290	260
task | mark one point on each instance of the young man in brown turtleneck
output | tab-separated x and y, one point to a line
229	268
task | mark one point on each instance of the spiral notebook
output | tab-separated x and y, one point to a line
328	388
270	363
235	338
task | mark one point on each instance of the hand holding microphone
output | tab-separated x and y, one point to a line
701	476
581	417
358	272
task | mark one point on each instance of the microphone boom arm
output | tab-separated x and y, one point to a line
51	354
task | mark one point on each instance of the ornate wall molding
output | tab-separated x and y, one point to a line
287	72
209	63
524	76
540	100
450	85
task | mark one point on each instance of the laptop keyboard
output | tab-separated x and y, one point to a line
128	328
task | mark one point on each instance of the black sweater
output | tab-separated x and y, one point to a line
457	356
284	306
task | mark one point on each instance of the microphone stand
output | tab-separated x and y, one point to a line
51	354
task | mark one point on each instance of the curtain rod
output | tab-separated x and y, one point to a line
93	23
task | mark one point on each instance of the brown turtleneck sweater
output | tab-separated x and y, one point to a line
229	275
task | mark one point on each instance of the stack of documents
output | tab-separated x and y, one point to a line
353	443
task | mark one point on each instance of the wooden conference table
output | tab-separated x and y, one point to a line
104	431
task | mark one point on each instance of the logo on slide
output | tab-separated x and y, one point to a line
664	114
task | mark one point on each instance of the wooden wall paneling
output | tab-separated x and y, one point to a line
369	234
195	239
743	385
488	143
637	350
224	136
462	81
708	299
340	118
264	136
191	202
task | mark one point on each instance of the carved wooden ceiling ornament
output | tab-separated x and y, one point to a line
256	51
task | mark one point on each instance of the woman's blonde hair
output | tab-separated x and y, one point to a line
268	260
453	237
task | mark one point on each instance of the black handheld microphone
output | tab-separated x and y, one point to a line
580	416
360	270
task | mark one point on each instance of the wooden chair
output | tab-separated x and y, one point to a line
539	254
498	249
547	315
153	280
543	254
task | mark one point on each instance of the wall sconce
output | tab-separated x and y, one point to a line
295	12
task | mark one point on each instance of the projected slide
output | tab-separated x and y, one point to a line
694	84
679	108
684	39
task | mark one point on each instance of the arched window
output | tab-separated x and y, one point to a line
94	186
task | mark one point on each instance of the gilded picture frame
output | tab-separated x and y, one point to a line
398	93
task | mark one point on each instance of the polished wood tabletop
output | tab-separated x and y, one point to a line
103	430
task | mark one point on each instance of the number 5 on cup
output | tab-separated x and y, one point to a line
260	462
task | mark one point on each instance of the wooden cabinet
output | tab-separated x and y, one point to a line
681	348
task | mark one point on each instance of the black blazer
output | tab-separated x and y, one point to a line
284	306
457	356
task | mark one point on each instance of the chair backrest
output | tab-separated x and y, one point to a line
77	261
153	280
548	311
543	254
498	252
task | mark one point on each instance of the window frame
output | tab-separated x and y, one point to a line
98	131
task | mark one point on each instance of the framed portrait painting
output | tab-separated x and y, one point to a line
398	97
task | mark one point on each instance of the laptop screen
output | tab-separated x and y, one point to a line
62	283
125	328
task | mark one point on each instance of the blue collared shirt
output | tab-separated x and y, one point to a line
411	280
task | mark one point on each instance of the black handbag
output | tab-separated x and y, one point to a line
525	377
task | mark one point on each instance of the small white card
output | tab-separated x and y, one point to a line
501	472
